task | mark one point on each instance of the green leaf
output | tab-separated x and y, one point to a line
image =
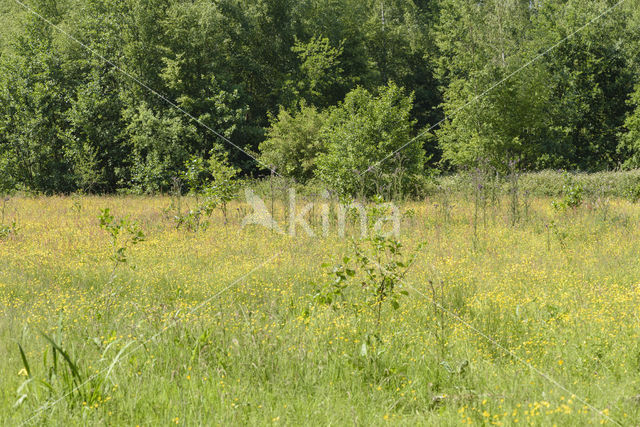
24	360
72	366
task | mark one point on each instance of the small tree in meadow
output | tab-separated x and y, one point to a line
223	186
213	183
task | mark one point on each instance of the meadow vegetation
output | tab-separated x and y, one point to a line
499	319
133	292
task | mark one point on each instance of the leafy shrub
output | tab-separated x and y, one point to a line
378	265
360	135
573	195
293	142
213	184
124	234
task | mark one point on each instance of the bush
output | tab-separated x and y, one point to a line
360	133
550	183
293	143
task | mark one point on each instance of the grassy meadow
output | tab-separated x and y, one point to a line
223	327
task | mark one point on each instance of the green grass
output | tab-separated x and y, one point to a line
193	335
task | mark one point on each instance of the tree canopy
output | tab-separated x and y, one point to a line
122	94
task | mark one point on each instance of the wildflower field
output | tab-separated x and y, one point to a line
500	321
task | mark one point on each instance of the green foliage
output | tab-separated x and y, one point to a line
340	145
213	184
572	195
363	130
591	78
33	99
72	122
7	181
377	266
506	100
384	266
294	142
158	150
124	234
300	82
224	186
480	47
321	79
630	141
96	147
334	294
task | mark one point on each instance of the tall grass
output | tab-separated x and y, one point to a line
563	298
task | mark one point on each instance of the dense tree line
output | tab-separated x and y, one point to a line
123	93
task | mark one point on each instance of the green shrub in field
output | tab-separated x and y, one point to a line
124	234
6	230
361	134
293	142
213	184
572	195
378	267
377	264
347	146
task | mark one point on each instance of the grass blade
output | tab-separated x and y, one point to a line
72	366
24	361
